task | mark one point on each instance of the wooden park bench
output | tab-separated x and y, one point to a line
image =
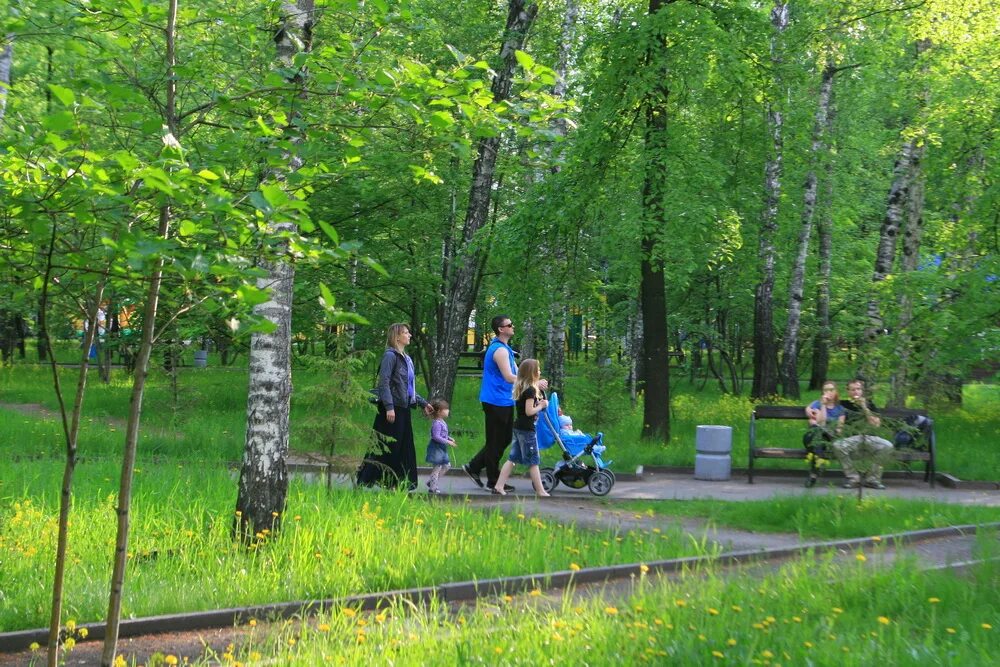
924	452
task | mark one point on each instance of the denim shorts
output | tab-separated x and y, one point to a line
524	449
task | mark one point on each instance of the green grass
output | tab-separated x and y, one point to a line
827	517
333	544
896	616
206	420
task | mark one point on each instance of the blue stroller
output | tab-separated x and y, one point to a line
572	471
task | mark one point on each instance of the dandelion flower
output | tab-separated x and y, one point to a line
535	592
730	642
986	626
950	631
70	625
933	600
323	627
884	620
348	612
643	568
34	646
861	558
680	603
611	611
838	610
713	612
574	567
69	643
807	644
252	622
766	654
170	660
498	650
119	661
82	633
718	654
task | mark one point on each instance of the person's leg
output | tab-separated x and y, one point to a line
880	451
498	437
502	478
845	449
436	472
536	481
475	465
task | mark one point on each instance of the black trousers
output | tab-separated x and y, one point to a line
499	432
393	459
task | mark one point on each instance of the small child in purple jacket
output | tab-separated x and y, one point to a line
437	447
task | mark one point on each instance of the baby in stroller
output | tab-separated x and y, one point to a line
556	428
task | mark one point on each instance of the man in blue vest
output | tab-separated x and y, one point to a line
495	393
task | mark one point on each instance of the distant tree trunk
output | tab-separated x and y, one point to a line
527	339
899	379
821	341
263	484
790	357
885	255
6	60
555	350
765	350
464	266
652	285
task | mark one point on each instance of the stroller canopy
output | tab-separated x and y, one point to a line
548	423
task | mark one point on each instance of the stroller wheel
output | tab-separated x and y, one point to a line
549	480
600	483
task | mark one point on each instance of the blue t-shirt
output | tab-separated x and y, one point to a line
832	413
494	389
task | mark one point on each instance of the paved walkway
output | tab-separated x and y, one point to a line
683	486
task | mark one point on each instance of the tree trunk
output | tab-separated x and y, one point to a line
899	379
141	370
765	350
6	60
465	264
790	357
821	342
263	484
652	285
555	350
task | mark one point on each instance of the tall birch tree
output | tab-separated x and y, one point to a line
263	484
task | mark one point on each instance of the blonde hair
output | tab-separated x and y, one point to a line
392	335
528	374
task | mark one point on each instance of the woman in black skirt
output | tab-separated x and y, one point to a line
393	459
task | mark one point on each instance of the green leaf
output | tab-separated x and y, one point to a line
329	231
208	175
524	60
326	297
59	121
441	120
188	228
64	95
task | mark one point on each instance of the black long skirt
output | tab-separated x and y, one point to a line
392	461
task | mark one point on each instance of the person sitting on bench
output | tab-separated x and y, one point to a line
861	418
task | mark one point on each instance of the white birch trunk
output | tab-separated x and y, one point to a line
6	60
263	484
790	354
765	358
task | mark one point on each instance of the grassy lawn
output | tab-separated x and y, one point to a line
828	517
205	419
899	616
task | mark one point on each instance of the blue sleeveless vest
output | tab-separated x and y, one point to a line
494	389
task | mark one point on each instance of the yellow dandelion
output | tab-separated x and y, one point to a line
498	650
884	620
933	600
838	610
950	631
82	633
252	622
535	592
119	661
298	517
419	522
69	644
702	638
680	603
507	598
362	637
574	567
70	625
558	637
611	611
718	654
861	558
274	514
876	538
291	641
170	660
766	654
380	618
323	627
737	608
730	642
658	621
797	619
807	644
713	612
348	612
34	646
643	568
986	626
519	516
239	513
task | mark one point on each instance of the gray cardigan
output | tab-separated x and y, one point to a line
392	381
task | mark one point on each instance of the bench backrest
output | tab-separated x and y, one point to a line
799	412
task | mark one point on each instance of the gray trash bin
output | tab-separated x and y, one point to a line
200	358
713	458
